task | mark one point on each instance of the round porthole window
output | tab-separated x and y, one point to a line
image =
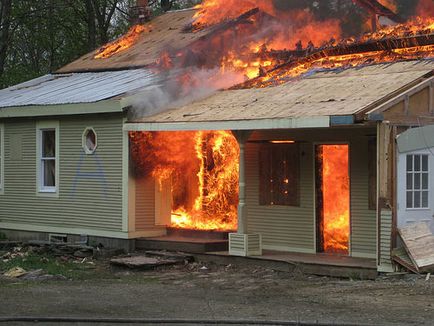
90	141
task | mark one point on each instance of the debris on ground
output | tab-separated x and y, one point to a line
142	262
418	242
401	257
171	255
43	260
15	272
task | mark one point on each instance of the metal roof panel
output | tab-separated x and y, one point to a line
76	88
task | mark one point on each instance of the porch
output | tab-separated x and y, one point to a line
205	250
316	264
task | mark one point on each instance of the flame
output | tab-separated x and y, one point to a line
324	60
203	169
123	43
336	194
211	12
258	46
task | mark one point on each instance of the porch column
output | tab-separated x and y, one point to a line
242	137
241	243
242	223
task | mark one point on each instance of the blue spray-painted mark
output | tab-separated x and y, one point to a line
99	175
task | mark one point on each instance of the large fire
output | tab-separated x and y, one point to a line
202	168
336	198
261	43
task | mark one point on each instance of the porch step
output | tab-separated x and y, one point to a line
184	244
201	234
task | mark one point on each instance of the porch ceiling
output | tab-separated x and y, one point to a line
305	102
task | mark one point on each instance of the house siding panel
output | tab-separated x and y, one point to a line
282	227
363	219
145	203
385	263
90	186
293	228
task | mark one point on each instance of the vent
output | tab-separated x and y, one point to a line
245	244
57	238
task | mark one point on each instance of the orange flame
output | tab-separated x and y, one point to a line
322	60
211	12
336	194
203	169
121	44
251	49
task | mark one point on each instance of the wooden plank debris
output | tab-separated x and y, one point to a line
400	256
142	262
418	241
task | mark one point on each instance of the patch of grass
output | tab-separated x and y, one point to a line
54	266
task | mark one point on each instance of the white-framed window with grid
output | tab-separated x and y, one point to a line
48	157
417	181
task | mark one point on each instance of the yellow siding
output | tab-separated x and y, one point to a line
145	203
385	263
90	187
282	227
293	228
363	220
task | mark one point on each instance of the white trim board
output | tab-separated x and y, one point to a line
285	123
40	127
107	106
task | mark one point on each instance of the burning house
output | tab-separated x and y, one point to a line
266	120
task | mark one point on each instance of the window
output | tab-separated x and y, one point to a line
47	147
279	174
2	155
417	181
89	141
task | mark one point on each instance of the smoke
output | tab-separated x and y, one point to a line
180	87
229	55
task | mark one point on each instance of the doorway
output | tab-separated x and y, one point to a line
332	198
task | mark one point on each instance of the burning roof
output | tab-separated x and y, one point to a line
324	93
260	43
162	33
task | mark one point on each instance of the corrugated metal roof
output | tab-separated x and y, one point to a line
76	88
328	93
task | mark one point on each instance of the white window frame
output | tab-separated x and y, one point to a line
41	189
421	189
2	158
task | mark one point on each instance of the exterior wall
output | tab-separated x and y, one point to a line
363	219
385	262
145	203
90	195
293	228
282	227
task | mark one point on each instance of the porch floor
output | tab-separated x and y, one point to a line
318	264
215	250
319	258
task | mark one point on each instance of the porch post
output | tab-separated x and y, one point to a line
241	243
242	218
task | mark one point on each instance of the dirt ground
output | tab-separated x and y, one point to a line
211	292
